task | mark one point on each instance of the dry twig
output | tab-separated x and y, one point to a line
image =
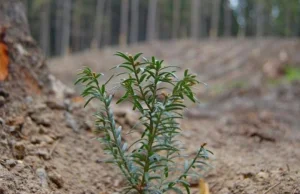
271	188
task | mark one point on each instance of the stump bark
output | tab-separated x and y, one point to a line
27	72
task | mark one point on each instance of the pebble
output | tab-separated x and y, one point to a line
29	127
55	104
19	150
71	122
2	101
4	93
11	163
262	175
2	122
42	175
56	179
41	119
37	139
43	153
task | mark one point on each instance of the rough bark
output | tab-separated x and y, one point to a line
96	42
195	19
151	20
176	18
28	73
124	23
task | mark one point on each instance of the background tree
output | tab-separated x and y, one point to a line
98	24
72	25
195	19
45	26
66	25
107	23
215	19
151	26
176	18
124	22
227	18
134	24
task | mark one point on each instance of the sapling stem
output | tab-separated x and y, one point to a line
150	168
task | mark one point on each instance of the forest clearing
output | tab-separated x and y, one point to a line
248	114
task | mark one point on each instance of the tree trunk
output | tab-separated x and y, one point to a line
58	26
107	30
227	19
176	18
215	19
76	26
45	27
96	42
159	21
243	25
26	7
25	76
134	27
66	25
151	20
259	19
287	22
124	23
195	19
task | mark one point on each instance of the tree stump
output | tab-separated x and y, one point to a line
27	72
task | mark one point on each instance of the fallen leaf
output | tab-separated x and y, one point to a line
203	186
4	59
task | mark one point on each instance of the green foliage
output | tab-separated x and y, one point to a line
150	164
292	73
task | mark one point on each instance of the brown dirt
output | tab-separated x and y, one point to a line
47	146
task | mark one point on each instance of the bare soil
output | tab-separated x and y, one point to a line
252	126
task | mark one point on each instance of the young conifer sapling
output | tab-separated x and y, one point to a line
151	164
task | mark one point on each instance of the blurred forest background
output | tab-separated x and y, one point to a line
66	26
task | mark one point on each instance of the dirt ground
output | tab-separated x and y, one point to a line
249	118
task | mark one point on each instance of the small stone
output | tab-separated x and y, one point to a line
28	99
262	175
19	150
35	140
71	122
48	139
11	163
38	139
4	93
16	121
2	101
39	107
43	153
2	122
79	151
43	130
55	104
42	175
41	119
29	127
56	179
